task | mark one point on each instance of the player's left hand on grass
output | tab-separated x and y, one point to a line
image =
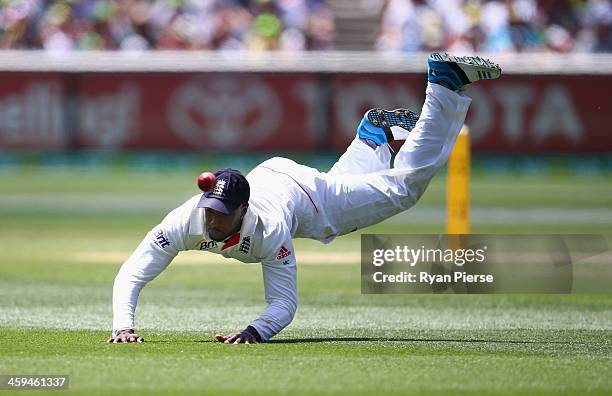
246	336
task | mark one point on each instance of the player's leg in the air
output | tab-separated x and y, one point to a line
370	151
362	188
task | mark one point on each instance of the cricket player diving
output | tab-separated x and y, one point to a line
255	218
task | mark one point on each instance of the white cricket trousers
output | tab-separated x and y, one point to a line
362	188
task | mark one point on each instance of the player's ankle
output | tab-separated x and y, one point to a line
369	142
444	84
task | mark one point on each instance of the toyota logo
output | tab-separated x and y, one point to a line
224	112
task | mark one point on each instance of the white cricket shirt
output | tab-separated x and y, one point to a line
278	207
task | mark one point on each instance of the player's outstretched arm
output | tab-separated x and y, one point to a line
280	286
149	259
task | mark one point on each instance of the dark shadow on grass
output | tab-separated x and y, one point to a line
369	339
383	339
178	341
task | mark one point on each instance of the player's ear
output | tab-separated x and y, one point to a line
245	206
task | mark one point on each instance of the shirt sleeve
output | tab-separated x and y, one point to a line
280	287
150	258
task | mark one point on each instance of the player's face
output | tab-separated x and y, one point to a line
220	225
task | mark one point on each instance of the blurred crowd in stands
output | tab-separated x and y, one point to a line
166	24
511	25
460	26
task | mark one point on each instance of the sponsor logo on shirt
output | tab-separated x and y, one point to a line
161	238
282	253
245	245
207	245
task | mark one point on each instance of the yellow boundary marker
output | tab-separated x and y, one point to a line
458	186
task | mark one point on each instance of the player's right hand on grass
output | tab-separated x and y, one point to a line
125	336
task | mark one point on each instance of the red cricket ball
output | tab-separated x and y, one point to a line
206	181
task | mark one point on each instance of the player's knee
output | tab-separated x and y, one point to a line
410	193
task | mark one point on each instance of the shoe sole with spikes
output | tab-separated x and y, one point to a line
468	68
385	119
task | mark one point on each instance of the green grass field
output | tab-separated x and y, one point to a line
64	235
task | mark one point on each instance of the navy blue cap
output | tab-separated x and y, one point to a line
231	190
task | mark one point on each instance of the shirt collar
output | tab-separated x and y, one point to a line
249	222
